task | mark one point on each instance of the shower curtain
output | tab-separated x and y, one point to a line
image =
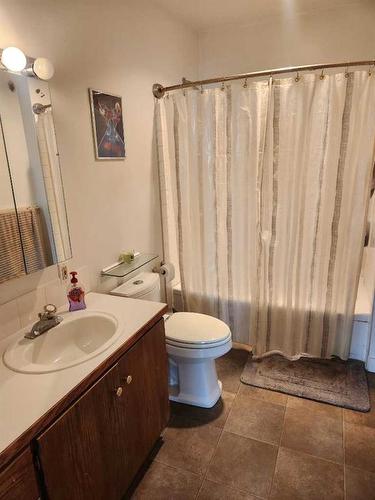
52	180
264	191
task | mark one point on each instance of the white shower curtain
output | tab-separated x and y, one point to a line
53	184
264	196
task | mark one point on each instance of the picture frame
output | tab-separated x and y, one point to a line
107	125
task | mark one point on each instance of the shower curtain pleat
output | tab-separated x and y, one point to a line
264	196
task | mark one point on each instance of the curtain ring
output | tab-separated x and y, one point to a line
322	75
297	78
245	84
167	96
222	86
369	70
202	90
347	72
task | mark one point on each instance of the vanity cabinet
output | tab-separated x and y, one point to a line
18	480
94	450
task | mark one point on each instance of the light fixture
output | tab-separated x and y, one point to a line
43	68
13	59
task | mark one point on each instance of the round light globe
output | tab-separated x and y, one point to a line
43	68
13	59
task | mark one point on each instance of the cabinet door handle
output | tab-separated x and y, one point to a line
118	391
129	379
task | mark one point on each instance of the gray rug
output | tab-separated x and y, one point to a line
333	381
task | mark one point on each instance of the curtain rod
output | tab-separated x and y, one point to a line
158	90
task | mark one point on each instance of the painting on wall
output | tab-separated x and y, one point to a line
108	125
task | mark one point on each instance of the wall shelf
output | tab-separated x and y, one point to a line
120	270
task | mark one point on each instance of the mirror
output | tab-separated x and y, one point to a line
34	229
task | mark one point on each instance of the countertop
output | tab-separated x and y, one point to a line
26	398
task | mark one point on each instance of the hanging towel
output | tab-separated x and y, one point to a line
24	245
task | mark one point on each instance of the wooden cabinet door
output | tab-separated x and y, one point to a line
144	374
82	454
94	450
18	480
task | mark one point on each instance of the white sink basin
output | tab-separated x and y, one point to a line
79	337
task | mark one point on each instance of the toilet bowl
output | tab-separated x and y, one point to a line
193	342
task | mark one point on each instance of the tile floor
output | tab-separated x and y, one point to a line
259	444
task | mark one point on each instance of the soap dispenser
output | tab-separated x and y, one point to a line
76	294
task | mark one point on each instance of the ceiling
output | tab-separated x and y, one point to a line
201	15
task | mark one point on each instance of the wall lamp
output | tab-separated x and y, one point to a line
15	60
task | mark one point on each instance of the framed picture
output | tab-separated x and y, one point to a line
108	125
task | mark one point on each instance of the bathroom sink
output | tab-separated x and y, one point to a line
79	337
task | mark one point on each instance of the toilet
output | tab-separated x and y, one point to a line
193	343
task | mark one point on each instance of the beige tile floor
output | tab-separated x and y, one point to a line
259	444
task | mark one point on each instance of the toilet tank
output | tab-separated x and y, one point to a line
144	286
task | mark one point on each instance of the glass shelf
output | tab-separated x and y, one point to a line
121	270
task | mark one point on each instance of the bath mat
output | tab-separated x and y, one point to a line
333	381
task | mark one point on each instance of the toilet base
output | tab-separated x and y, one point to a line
206	402
193	381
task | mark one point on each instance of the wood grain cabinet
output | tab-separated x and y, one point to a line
18	480
95	448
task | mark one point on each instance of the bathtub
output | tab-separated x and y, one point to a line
362	323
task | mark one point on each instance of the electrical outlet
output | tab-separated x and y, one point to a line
63	272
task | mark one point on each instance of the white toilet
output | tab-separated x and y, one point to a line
193	342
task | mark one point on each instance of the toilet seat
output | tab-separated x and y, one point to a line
190	345
196	331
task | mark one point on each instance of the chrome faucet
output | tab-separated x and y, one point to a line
47	320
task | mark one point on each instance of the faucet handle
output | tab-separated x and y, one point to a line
50	310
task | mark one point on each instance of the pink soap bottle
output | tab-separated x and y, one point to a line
76	294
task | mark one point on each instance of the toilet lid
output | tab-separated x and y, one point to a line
137	286
194	328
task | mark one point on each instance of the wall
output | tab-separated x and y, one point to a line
118	46
325	34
